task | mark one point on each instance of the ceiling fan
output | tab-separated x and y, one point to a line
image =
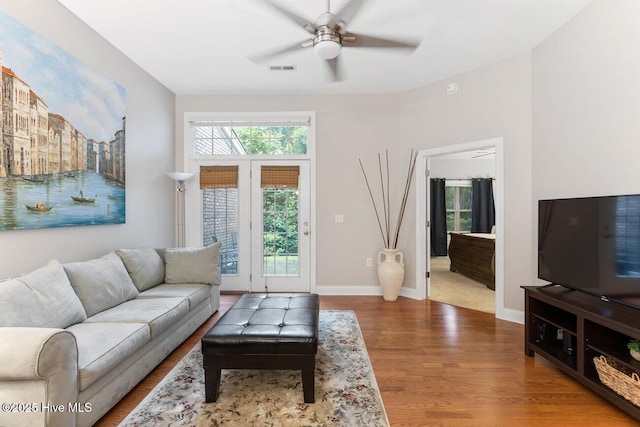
484	152
329	35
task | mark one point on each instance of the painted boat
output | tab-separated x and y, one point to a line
81	199
33	178
39	207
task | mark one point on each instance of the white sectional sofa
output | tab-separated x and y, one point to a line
76	337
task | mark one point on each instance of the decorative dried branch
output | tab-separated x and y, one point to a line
385	206
375	208
385	231
412	163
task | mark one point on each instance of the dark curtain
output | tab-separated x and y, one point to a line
483	213
438	218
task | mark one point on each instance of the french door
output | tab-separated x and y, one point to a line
280	226
260	214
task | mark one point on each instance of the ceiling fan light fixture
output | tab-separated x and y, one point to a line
327	49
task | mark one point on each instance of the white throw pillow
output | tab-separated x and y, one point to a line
41	298
193	265
101	283
144	265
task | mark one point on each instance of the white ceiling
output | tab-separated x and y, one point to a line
202	46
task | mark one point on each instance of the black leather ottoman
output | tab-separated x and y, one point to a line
264	331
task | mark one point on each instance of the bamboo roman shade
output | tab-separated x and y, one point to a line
218	177
279	176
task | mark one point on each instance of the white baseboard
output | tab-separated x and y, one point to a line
409	293
349	290
511	315
362	291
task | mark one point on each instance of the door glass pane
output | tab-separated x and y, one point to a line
280	232
220	224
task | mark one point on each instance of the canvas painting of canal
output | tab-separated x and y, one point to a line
62	154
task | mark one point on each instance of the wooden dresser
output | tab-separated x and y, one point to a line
474	256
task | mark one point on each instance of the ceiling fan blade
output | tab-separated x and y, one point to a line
259	59
296	19
482	153
336	69
362	40
346	14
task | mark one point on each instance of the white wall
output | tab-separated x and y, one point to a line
572	103
149	151
586	105
462	168
493	101
348	127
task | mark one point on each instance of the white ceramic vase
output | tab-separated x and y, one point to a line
635	354
390	273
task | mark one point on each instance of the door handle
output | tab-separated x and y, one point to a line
306	232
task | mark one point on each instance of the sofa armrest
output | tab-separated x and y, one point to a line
38	373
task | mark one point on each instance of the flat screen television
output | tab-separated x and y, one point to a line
592	244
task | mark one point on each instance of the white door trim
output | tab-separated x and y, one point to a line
422	240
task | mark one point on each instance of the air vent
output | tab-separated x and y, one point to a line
282	67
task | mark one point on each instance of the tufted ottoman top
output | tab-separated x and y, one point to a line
266	324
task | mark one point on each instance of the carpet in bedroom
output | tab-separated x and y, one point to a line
456	289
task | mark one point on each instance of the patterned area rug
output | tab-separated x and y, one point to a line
346	391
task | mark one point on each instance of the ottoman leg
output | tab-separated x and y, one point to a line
211	382
308	382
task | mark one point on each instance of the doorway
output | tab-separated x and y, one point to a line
424	269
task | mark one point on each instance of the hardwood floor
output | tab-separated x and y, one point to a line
439	365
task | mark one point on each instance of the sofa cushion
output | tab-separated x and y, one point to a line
193	265
195	293
101	283
102	346
159	313
144	265
41	298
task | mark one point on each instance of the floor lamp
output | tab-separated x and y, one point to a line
180	178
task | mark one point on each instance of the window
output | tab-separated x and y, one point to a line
242	138
458	204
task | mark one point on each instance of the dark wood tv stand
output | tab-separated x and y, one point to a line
569	328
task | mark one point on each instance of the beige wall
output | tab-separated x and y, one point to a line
586	104
348	127
492	102
149	151
568	112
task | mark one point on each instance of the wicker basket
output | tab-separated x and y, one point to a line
619	379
